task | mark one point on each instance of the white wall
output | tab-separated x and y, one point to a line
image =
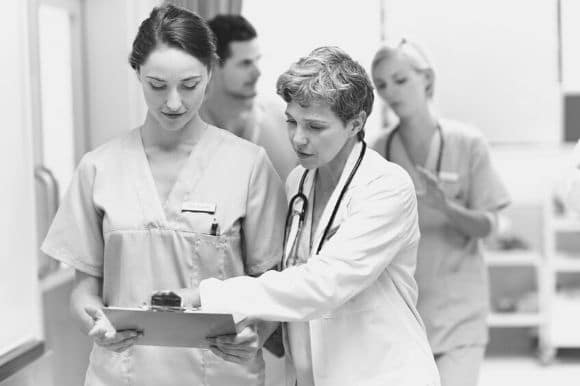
114	99
288	30
495	61
19	297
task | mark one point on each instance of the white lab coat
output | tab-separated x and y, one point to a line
358	293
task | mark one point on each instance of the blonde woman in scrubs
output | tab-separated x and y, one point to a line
459	193
347	290
171	203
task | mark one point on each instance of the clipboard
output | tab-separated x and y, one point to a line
187	328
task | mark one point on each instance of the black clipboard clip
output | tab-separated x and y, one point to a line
166	301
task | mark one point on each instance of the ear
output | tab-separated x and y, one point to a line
429	82
357	124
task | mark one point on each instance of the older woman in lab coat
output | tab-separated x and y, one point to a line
171	203
347	290
459	192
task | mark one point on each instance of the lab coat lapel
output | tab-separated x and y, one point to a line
293	230
323	222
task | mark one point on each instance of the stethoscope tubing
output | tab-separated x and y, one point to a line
301	196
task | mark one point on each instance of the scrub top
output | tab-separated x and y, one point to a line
112	225
451	273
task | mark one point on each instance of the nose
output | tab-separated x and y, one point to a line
299	137
256	71
173	102
390	94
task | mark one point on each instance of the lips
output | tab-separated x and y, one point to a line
302	155
173	115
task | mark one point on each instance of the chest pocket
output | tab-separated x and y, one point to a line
453	184
216	245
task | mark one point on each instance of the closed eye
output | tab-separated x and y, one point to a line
190	86
157	86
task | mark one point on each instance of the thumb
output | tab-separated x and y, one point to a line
94	313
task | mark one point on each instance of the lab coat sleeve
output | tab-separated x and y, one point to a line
486	190
75	235
263	224
381	221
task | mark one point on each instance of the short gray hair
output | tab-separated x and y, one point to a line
330	75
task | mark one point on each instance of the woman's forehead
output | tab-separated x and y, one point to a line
173	62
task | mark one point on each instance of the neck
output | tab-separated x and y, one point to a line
329	174
222	109
155	136
417	129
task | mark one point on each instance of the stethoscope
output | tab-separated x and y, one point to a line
439	156
297	213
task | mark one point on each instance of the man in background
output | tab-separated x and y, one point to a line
231	102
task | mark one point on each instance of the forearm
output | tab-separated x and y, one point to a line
472	223
86	293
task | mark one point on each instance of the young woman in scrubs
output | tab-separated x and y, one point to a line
171	203
459	193
347	290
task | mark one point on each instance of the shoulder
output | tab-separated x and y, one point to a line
377	140
110	152
461	131
234	146
270	112
376	170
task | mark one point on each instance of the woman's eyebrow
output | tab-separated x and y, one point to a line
155	78
194	77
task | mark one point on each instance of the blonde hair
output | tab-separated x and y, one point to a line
408	50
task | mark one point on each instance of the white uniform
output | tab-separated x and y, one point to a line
357	295
451	272
112	225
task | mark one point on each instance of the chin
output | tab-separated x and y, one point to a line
308	163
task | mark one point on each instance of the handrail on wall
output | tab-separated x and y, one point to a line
48	202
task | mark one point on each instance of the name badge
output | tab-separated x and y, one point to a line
199	207
448	177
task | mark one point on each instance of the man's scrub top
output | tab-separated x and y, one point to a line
451	273
112	225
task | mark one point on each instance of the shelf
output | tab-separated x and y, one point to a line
512	258
566	223
564	262
514	319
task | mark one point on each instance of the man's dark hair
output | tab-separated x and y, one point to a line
230	28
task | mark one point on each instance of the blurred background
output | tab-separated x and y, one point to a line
511	68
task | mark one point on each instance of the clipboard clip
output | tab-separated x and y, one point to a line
166	301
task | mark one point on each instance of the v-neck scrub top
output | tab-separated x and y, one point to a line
451	273
111	224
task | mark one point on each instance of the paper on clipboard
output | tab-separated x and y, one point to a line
167	328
